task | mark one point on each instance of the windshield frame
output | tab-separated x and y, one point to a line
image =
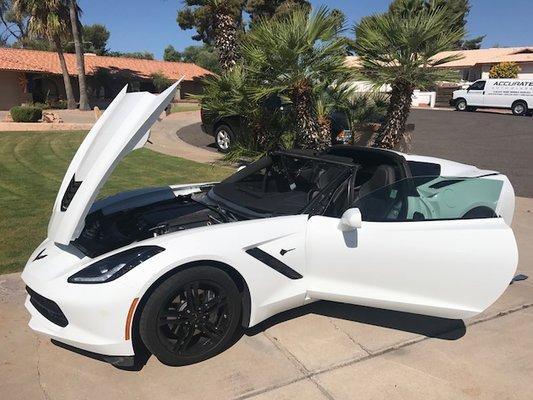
317	205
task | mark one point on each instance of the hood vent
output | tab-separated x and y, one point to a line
72	188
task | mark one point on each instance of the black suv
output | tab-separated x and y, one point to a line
226	129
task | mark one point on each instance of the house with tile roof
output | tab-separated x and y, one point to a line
476	64
35	76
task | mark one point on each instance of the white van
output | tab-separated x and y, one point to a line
514	94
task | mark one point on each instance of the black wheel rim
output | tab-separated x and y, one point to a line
195	319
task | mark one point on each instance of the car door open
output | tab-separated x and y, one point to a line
426	245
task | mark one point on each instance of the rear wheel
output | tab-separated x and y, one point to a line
480	212
519	108
461	105
224	138
191	316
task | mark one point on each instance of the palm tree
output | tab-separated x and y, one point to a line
295	57
225	28
399	49
218	23
49	18
74	13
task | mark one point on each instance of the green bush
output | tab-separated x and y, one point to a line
26	113
504	70
57	105
42	106
160	81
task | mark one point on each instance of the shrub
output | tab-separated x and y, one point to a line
160	81
504	70
60	105
42	106
26	113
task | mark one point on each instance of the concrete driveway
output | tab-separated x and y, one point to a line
321	351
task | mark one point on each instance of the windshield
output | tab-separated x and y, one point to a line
281	184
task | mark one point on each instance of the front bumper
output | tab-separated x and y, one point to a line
93	318
453	102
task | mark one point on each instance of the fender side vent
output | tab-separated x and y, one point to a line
273	263
71	190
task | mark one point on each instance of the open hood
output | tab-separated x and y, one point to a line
122	128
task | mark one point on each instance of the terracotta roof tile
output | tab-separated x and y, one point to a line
48	62
473	57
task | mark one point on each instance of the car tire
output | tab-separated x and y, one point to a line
461	105
192	316
224	138
519	108
480	212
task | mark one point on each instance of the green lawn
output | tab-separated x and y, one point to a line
32	165
181	107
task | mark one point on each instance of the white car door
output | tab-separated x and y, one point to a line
453	268
476	94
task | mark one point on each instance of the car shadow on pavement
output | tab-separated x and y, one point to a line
434	327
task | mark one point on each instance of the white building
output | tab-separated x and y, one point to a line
476	64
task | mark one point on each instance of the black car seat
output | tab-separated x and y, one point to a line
374	203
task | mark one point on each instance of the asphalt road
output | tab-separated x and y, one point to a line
501	142
496	141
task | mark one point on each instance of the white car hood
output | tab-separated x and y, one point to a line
122	128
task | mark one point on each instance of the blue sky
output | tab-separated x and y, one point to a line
138	25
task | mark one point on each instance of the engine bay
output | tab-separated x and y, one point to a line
106	232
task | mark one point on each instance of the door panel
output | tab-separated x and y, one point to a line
452	269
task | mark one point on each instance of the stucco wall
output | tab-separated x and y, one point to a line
10	91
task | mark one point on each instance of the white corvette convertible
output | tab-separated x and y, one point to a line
180	268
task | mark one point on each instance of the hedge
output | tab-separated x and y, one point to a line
26	113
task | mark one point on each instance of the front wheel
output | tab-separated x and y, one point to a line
191	317
461	105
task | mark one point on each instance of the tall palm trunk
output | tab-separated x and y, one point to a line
225	28
73	9
71	103
393	130
309	135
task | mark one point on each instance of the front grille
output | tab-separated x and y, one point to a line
49	309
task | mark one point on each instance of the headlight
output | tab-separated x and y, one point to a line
112	267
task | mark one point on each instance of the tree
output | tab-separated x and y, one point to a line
472	44
399	50
459	8
218	23
50	19
204	56
75	24
171	54
141	55
15	26
296	57
95	38
267	9
503	70
160	81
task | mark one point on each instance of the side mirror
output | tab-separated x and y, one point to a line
351	220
